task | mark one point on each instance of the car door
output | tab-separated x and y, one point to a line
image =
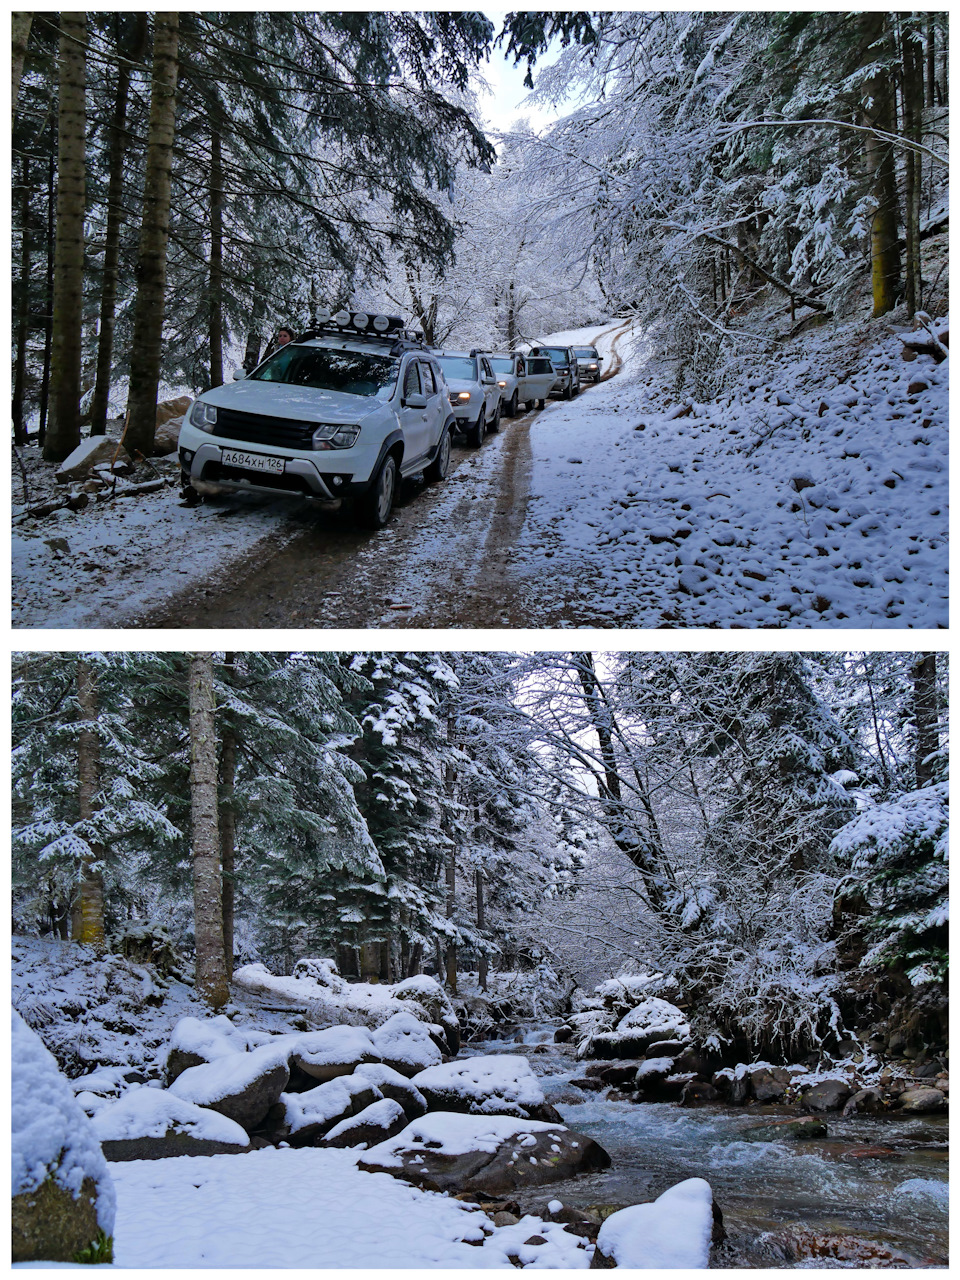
491	389
438	402
414	414
540	377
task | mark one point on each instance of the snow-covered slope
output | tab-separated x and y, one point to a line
813	494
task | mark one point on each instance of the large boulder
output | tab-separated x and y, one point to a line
496	1155
374	1124
167	410
80	464
338	1051
155	1113
922	1100
778	1130
167	437
675	1231
489	1084
310	1116
64	1203
241	1086
406	1044
198	1040
828	1095
431	997
651	1021
393	1085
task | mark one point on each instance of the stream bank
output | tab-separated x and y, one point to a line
872	1193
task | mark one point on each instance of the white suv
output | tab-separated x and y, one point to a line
474	393
344	410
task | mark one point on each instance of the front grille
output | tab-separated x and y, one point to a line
283	433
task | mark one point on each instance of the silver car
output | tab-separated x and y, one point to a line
523	379
566	367
589	360
474	393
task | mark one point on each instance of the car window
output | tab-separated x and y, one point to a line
585	353
427	378
411	380
458	367
354	373
502	366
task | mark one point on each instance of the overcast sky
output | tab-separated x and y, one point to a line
501	105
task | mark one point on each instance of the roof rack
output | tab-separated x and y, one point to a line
362	324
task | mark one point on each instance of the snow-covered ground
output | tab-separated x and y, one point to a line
100	566
309	1208
813	494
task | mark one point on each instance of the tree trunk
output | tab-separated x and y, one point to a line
23	310
931	63
228	825
451	956
48	304
151	272
415	962
63	428
911	50
91	930
211	977
924	676
879	112
216	260
370	962
251	356
482	963
21	34
132	52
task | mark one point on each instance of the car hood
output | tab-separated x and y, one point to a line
463	384
283	400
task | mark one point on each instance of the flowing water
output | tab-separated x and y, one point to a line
785	1204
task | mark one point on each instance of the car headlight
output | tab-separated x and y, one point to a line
503	385
459	397
203	416
335	435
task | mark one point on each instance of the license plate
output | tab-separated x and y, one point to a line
252	461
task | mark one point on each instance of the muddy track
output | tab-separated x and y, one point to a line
445	559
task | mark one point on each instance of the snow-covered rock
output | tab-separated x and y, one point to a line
80	463
651	1020
494	1154
311	1115
153	1113
376	1123
490	1084
673	1232
426	992
394	1085
62	1190
241	1086
198	1040
337	1051
405	1043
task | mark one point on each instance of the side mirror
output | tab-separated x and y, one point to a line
415	401
239	374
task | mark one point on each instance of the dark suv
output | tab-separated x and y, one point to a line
565	366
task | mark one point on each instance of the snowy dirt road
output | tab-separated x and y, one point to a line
446	559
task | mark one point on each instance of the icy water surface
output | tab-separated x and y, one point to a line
772	1194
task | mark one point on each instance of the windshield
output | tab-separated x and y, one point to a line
557	354
355	373
585	353
502	366
459	367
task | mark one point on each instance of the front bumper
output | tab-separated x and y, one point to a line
208	474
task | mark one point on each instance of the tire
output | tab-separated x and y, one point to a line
476	433
494	425
374	507
514	405
568	391
575	391
439	467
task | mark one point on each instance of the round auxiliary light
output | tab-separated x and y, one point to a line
342	317
360	320
381	323
323	317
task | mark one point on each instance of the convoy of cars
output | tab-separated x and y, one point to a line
353	406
